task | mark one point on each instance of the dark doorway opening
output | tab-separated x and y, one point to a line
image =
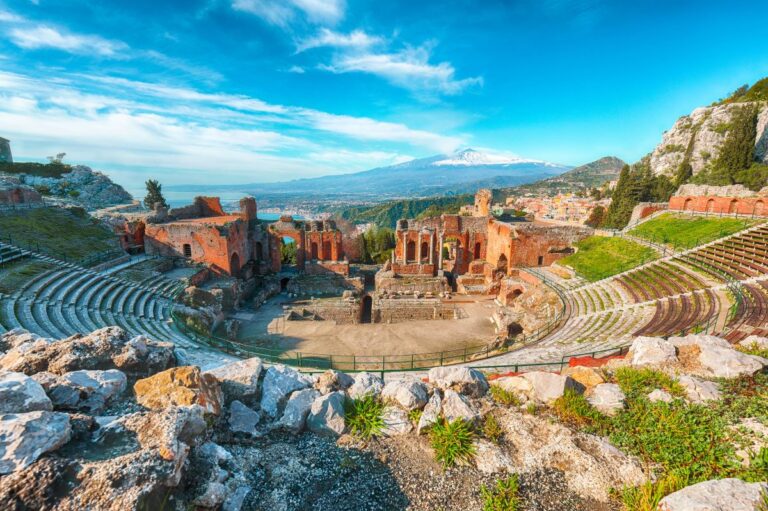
541	260
367	313
187	250
284	283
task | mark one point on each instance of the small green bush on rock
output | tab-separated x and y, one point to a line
364	416
502	497
452	441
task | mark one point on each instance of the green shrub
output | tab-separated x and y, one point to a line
573	409
492	429
452	441
746	396
646	497
504	397
415	415
364	416
503	497
754	349
639	382
531	409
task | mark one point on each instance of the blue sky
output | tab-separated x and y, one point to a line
233	91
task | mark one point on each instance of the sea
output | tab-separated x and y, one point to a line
229	201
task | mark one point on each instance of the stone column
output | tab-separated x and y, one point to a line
440	251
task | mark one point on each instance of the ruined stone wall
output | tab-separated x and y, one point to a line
387	282
396	310
646	209
201	207
341	311
226	248
11	194
483	199
327	267
709	204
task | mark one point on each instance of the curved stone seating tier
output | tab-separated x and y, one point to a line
751	314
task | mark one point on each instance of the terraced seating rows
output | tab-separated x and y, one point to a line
751	314
72	299
737	258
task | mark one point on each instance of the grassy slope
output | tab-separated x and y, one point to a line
599	257
59	232
682	231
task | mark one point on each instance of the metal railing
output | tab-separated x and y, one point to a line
87	261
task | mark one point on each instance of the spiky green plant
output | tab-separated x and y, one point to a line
504	496
452	441
364	416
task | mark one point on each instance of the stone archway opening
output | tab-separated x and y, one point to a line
501	265
733	206
234	265
711	206
366	312
410	251
759	208
688	204
478	250
424	251
313	251
284	284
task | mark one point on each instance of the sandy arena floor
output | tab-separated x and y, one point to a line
325	337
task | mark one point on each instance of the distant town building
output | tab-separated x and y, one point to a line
565	208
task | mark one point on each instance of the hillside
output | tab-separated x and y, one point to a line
387	214
590	175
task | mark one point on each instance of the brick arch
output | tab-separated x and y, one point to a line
733	207
759	208
410	251
688	204
234	264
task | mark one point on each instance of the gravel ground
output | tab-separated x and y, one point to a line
307	472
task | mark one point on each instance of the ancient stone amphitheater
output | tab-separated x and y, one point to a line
720	288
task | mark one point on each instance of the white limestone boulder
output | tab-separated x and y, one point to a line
396	421
331	381
717	358
410	394
698	390
19	393
490	458
547	387
431	412
755	341
716	495
608	398
457	406
521	387
365	383
279	383
24	437
87	391
464	380
242	419
297	409
326	416
660	395
651	351
239	380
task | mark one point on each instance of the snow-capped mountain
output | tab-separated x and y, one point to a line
460	172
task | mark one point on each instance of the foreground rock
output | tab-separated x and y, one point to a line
410	394
239	380
146	451
86	391
607	398
717	495
326	416
107	348
464	380
651	351
365	384
19	393
180	386
24	437
279	382
714	357
296	411
591	466
547	387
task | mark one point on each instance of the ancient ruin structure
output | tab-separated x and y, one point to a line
319	245
5	151
720	199
12	192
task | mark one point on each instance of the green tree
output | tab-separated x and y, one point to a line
288	253
154	194
737	153
596	217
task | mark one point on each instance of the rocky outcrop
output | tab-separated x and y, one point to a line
180	386
717	495
86	391
239	380
410	394
462	379
279	382
607	398
296	411
24	437
107	348
19	393
651	351
82	186
714	357
326	416
365	384
701	135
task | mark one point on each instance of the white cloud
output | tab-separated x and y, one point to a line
283	12
113	122
409	68
33	38
9	17
356	39
297	69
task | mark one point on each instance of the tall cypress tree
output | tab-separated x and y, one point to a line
154	194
